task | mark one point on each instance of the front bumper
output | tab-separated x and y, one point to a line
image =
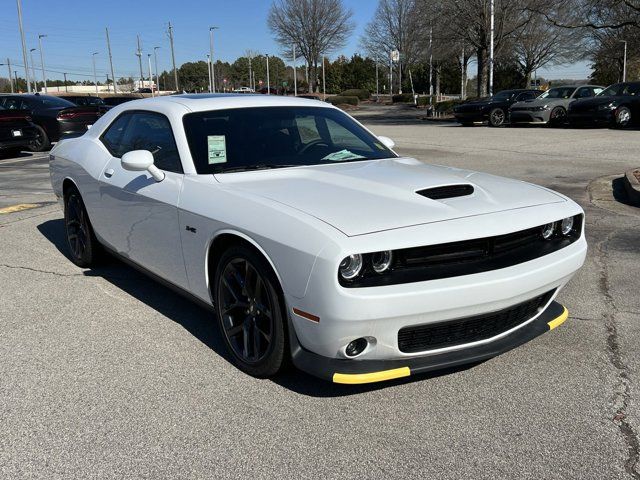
525	116
369	371
471	116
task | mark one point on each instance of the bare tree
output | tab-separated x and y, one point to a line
396	25
315	27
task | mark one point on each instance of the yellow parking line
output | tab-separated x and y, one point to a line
18	208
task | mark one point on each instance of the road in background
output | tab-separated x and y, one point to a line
107	374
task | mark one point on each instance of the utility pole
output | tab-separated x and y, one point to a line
251	84
377	83
390	75
491	50
268	83
213	72
33	71
431	65
295	77
139	55
150	75
8	64
173	57
324	85
66	88
108	87
44	75
155	62
462	75
113	75
209	71
624	62
95	77
399	73
24	47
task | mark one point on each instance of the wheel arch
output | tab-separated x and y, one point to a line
68	183
225	239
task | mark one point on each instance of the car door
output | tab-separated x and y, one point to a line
139	216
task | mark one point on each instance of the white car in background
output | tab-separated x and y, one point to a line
244	90
311	239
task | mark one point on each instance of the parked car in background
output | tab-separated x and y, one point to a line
312	240
117	100
53	117
617	106
551	107
244	90
493	109
84	100
16	131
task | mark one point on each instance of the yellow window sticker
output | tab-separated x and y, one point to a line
217	148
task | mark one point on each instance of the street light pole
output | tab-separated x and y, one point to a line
24	47
209	71
624	62
150	75
251	84
33	71
155	62
324	85
113	75
491	49
268	83
213	73
66	88
377	83
95	77
295	77
44	75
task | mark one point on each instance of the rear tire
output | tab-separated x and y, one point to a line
250	311
497	117
558	117
84	249
41	142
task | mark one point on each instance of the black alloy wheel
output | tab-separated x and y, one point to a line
497	117
623	117
83	245
249	311
558	116
41	141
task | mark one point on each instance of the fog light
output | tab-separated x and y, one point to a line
547	231
350	267
381	261
567	226
356	347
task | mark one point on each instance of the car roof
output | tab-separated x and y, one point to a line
216	101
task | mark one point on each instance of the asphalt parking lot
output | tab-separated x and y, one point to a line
106	374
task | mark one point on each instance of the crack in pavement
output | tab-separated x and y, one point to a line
37	270
622	393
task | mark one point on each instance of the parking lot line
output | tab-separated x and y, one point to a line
18	208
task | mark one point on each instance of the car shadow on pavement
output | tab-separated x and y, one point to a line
201	323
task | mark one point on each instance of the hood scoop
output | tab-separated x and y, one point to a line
447	191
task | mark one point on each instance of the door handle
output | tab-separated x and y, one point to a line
109	173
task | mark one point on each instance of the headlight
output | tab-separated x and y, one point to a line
547	230
541	108
608	106
350	267
381	261
566	226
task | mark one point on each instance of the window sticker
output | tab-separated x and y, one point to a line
217	148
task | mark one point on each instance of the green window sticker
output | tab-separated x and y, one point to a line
217	148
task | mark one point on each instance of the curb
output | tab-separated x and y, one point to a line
632	186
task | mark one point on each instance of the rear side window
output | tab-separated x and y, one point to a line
527	96
149	131
14	103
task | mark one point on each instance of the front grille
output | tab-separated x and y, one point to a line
447	191
421	338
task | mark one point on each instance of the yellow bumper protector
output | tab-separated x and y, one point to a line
356	378
558	320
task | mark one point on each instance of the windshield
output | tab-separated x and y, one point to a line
504	95
271	137
621	89
560	92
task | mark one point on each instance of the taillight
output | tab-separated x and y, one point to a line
70	115
13	118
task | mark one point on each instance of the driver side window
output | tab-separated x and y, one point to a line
144	131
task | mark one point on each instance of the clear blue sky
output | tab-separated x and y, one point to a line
75	29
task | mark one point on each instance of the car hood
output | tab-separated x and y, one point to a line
371	196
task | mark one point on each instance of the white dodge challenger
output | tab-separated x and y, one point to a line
312	241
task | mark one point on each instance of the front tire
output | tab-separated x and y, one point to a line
557	117
622	117
250	312
497	117
84	249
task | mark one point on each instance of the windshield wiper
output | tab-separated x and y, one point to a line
259	166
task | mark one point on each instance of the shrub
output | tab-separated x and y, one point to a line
447	106
361	93
402	98
341	100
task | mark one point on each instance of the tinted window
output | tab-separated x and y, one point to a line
560	92
14	103
585	92
243	138
144	131
621	89
504	95
527	96
54	102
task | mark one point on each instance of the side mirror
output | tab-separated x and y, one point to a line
387	142
141	161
